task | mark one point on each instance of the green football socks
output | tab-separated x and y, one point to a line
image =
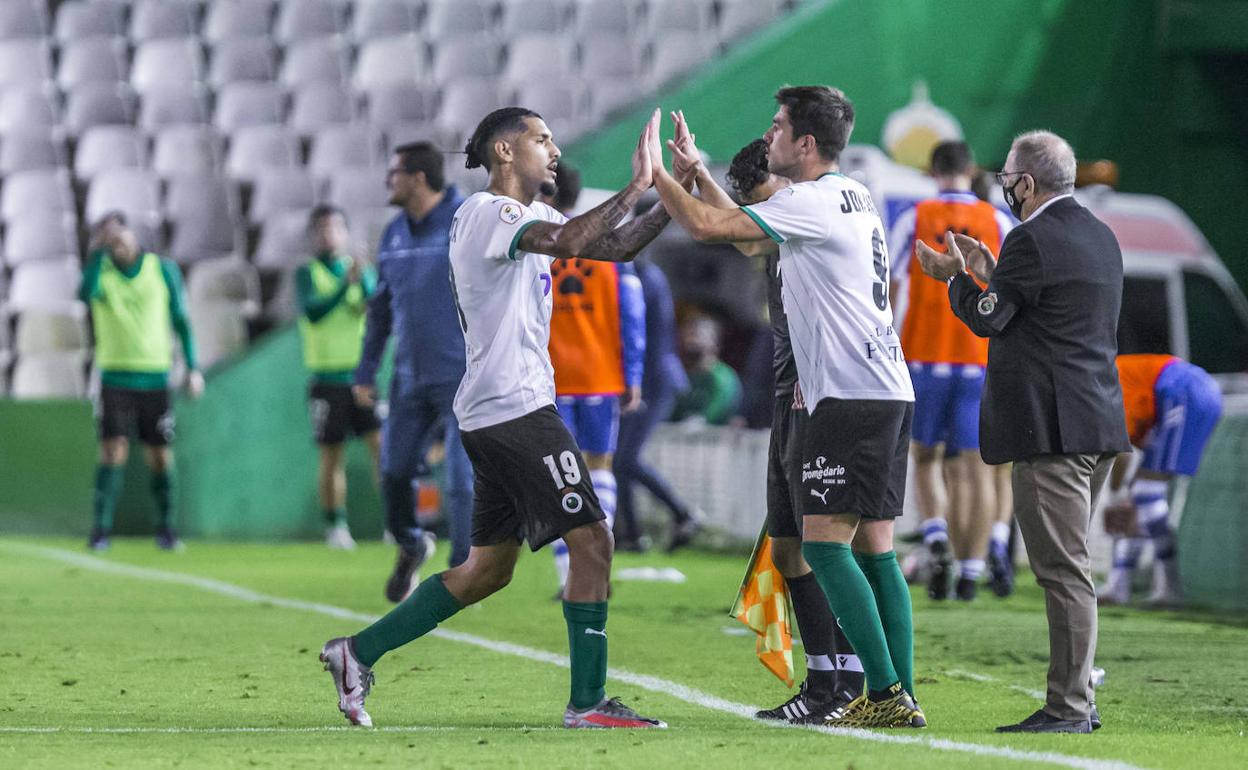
418	614
108	483
587	648
336	516
892	597
853	602
162	493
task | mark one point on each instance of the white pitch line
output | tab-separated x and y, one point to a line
654	684
1028	691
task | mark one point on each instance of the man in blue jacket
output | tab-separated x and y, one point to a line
413	303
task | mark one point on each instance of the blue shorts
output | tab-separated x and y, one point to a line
1189	404
946	405
594	421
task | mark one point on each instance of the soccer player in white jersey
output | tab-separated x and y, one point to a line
531	483
852	375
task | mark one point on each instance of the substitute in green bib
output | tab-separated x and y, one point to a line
333	294
137	302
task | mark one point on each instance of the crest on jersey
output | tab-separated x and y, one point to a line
510	213
987	303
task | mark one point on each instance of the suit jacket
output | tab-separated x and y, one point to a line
1051	315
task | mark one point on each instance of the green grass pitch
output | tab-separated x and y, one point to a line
108	667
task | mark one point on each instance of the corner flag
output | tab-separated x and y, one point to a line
764	606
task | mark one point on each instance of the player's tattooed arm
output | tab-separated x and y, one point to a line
573	237
623	243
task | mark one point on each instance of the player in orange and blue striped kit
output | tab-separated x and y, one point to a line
947	364
597	347
1171	408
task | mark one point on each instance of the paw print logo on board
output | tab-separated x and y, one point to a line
570	275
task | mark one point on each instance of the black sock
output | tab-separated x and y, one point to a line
816	624
849	674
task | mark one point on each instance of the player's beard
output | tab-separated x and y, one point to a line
548	189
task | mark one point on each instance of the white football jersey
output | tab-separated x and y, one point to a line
503	297
835	290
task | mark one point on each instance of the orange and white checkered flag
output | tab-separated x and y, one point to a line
764	606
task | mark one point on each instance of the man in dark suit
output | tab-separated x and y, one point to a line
1052	404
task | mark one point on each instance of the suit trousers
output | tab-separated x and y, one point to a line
1054	496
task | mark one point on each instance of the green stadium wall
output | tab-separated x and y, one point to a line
246	470
1160	88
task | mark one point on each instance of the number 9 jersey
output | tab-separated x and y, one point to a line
835	290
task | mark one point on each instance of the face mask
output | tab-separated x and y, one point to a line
1011	200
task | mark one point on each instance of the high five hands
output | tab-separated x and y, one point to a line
648	157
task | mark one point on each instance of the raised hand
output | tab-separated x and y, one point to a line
644	162
979	260
686	160
938	265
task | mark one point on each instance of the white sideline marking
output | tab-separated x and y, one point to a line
974	677
654	684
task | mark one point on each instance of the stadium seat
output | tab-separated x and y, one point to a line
173	104
256	147
181	150
136	192
24	62
318	105
472	56
613	17
283	306
237	19
303	19
609	56
249	104
34	148
43	283
157	19
367	225
447	140
220	332
560	102
358	188
49	376
100	104
317	60
23	19
534	56
228	280
468	180
738	18
92	60
28	193
242	59
277	190
677	54
78	19
178	61
611	95
106	147
451	18
283	240
25	108
465	102
395	103
203	217
40	235
668	16
55	328
382	18
396	59
527	16
337	147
